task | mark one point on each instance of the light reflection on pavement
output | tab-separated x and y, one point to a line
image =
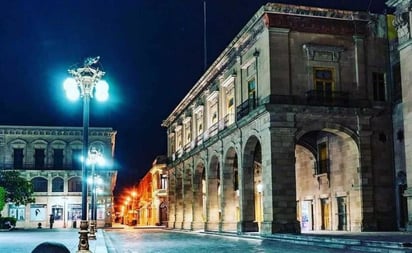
150	241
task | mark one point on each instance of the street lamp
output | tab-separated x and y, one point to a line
85	83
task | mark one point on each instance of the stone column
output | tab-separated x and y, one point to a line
187	197
172	198
179	197
279	181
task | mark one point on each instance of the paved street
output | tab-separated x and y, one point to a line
150	241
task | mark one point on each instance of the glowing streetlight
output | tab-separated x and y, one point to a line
86	83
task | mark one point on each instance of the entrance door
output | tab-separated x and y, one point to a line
307	215
342	218
403	206
325	209
163	213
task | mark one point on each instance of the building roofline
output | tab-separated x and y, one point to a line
270	8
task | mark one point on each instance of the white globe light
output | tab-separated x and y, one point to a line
102	85
102	90
72	91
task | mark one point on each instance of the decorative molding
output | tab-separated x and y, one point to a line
316	52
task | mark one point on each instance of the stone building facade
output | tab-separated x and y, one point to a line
50	158
402	76
289	129
152	195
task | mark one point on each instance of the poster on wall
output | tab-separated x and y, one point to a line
38	212
305	220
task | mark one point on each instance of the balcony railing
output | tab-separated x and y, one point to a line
245	108
11	166
317	97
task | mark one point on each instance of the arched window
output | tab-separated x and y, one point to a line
39	184
75	184
57	184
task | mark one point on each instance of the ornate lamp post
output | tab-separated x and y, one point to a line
85	83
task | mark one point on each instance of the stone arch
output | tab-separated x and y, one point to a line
251	175
327	162
230	191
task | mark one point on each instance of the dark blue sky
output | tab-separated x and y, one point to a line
152	52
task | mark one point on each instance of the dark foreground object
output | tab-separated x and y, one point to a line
50	247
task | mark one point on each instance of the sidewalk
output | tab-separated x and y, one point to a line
25	240
384	242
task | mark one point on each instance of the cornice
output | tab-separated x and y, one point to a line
54	131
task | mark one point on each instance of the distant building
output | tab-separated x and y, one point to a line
50	158
289	129
152	204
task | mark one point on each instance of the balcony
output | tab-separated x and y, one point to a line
160	192
245	108
318	97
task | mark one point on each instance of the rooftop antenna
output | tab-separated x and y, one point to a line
370	4
204	36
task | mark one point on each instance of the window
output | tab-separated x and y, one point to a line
251	86
172	144
179	138
18	158
323	80
75	184
163	181
76	161
58	158
188	134
378	80
57	211
213	112
18	212
57	184
199	121
323	161
39	184
39	158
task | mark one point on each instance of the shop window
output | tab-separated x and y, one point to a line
18	212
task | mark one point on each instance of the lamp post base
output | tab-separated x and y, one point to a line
83	238
92	234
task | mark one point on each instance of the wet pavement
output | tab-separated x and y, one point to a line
150	241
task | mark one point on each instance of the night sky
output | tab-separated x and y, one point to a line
151	51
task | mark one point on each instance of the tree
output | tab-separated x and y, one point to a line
2	198
18	189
